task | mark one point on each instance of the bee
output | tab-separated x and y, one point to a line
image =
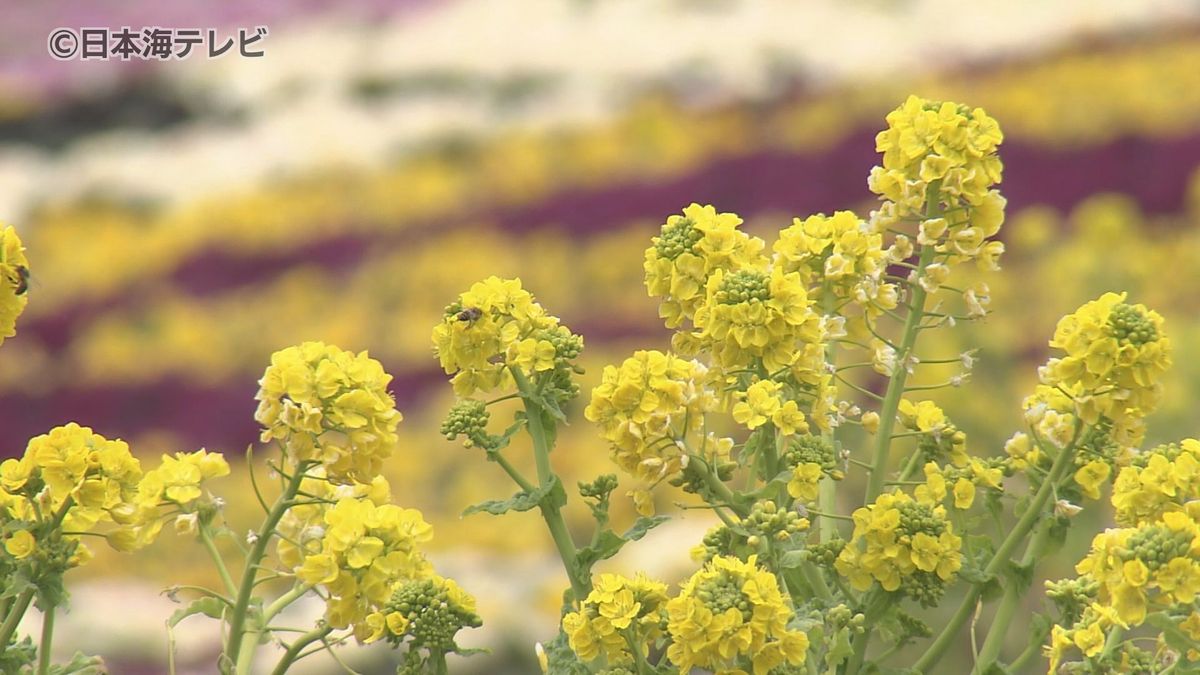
470	314
22	285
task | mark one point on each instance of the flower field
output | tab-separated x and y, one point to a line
765	359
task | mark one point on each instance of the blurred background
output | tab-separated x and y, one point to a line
184	219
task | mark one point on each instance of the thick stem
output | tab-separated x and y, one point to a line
237	620
46	641
1013	594
1033	513
895	389
551	513
296	647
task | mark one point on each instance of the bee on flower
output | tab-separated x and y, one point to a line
14	281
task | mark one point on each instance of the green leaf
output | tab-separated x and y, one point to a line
552	494
609	543
81	664
792	559
839	649
208	606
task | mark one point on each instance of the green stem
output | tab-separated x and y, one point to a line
812	574
283	601
15	614
1033	513
1013	594
895	389
875	607
296	647
1031	650
237	621
209	545
642	668
47	639
551	513
512	471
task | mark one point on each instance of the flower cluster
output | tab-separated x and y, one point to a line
426	614
730	612
648	407
173	487
755	315
364	550
811	458
1116	354
14	281
1156	564
765	401
690	248
946	153
939	439
1163	480
618	618
903	544
497	325
329	406
843	252
74	474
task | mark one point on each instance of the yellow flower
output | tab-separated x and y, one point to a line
758	404
902	544
647	406
1091	475
619	616
1115	355
964	493
689	249
805	482
751	314
495	325
728	610
20	545
329	406
1090	639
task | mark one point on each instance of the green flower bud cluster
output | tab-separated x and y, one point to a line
718	541
911	626
678	236
825	554
1170	451
841	616
567	345
810	449
1097	443
744	286
469	417
943	447
1158	545
720	594
600	488
434	617
1072	597
1129	325
767	520
926	588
